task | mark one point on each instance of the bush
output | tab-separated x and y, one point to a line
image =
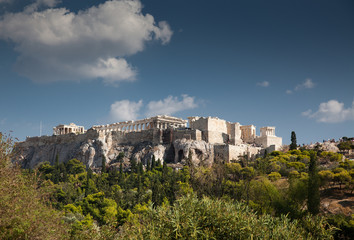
24	213
273	176
190	218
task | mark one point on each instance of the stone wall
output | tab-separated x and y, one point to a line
215	137
248	133
234	131
217	125
235	152
267	141
198	123
190	134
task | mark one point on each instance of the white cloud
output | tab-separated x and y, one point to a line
111	70
125	110
331	112
170	105
129	110
307	84
55	44
263	84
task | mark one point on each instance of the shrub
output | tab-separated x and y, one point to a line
190	218
273	176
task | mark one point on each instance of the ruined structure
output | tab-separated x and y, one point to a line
207	139
66	129
158	122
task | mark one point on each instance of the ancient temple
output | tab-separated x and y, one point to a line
62	129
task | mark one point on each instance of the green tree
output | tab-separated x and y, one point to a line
293	144
153	162
133	165
120	157
313	196
75	166
103	167
274	176
326	177
347	145
24	212
193	218
102	209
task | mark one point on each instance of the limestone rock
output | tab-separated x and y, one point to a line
202	152
89	148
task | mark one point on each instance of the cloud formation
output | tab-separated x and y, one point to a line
55	44
125	110
307	84
263	84
129	110
170	105
331	112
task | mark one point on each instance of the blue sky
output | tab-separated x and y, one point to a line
288	64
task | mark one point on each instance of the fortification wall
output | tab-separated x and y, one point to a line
234	130
235	152
215	137
217	125
267	141
189	134
198	123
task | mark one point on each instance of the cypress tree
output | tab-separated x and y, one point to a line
103	170
121	168
313	197
153	162
293	145
89	176
56	172
133	165
159	163
140	168
148	165
164	172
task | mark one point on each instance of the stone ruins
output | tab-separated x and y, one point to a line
66	129
158	122
170	139
209	129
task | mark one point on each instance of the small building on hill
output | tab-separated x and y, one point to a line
62	129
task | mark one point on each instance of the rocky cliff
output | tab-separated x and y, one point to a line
92	146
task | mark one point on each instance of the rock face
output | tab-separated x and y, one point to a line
90	148
202	153
93	146
326	146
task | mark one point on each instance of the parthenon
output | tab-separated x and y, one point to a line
157	122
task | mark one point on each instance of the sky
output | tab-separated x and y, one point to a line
288	64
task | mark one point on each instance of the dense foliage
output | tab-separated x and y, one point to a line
270	197
23	214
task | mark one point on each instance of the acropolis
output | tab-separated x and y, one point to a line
226	140
210	129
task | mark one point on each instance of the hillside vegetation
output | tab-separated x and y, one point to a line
274	197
